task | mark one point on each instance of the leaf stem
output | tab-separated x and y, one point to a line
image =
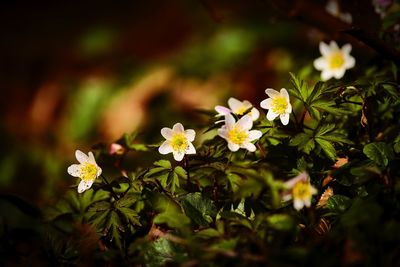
109	187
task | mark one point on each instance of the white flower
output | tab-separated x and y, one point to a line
300	190
239	108
334	61
238	134
87	170
332	7
278	105
178	141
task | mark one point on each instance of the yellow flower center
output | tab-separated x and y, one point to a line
237	136
302	191
179	142
241	110
279	105
88	171
336	60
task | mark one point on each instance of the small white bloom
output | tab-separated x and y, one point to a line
87	170
239	108
178	141
334	61
238	134
278	105
332	7
300	190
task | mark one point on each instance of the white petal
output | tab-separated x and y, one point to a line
339	73
346	49
233	147
286	196
271	115
250	147
99	171
326	75
255	114
165	148
229	120
332	7
178	128
223	132
284	118
234	104
245	122
81	157
307	202
298	204
324	49
254	135
301	177
320	63
166	132
74	170
289	108
285	94
266	103
350	62
91	158
84	185
222	110
313	190
271	92
246	104
190	149
178	156
333	46
190	135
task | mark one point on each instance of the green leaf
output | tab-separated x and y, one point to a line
200	209
172	218
281	222
163	163
156	170
327	147
100	206
338	203
379	152
130	215
180	172
396	145
127	201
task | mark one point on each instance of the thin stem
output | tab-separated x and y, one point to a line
109	187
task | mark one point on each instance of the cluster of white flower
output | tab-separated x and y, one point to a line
238	133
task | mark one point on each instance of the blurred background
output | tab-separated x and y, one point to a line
76	74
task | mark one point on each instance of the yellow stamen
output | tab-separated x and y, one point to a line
302	190
237	136
88	171
279	105
336	60
178	142
241	110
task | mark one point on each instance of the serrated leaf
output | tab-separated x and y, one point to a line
130	215
325	129
163	163
200	209
300	139
180	172
126	201
100	206
156	170
99	219
379	152
338	203
327	147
